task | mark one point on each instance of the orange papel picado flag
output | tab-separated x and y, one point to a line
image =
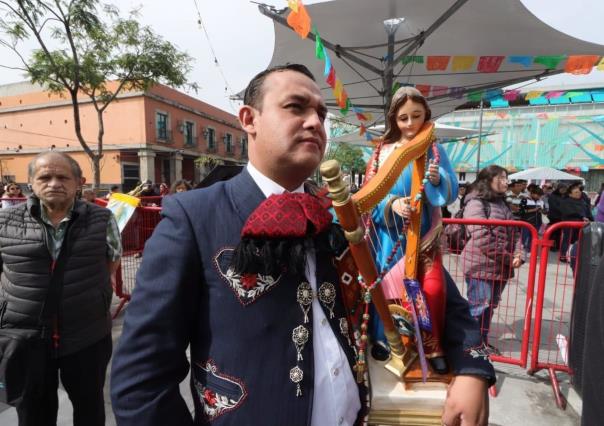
580	64
299	20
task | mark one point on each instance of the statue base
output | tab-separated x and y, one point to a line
412	402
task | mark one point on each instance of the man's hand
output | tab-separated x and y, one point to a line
467	402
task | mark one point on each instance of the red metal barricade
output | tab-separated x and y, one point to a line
554	302
510	326
134	236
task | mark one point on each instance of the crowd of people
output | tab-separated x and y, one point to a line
249	290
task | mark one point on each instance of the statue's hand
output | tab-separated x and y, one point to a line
434	176
402	207
467	402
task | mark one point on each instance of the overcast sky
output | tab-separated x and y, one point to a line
242	38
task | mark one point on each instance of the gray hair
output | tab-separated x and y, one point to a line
75	167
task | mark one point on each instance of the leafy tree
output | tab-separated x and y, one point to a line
86	49
350	158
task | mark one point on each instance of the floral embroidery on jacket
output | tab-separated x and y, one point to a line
247	287
217	393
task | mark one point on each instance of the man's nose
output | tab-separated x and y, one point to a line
314	121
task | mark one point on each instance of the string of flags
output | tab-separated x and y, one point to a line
300	21
575	64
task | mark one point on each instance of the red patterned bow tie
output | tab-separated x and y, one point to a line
288	215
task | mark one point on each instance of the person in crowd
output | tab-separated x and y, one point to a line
407	114
89	194
532	214
143	189
164	189
585	197
599	217
523	186
180	186
459	202
147	190
12	195
517	198
599	197
84	240
554	212
573	209
243	283
547	191
492	253
114	189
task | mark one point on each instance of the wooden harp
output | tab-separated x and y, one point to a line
349	210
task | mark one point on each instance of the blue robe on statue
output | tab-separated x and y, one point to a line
387	224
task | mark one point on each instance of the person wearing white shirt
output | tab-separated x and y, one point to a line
265	349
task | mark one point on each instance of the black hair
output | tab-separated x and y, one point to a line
179	183
254	94
482	184
575	185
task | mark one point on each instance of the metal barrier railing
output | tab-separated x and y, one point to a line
510	327
554	302
134	236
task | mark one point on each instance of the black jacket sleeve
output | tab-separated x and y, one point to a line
461	335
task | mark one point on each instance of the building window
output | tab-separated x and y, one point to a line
130	176
162	125
244	147
189	133
228	142
211	139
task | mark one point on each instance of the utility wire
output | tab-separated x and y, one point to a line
226	83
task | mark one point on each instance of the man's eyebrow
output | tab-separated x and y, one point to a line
298	98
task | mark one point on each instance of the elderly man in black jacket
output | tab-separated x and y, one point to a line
53	228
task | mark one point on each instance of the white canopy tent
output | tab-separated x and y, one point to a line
368	60
544	173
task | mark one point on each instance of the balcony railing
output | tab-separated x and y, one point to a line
164	135
192	141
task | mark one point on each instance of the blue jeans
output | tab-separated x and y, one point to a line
484	297
527	239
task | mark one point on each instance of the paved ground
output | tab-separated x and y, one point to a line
521	400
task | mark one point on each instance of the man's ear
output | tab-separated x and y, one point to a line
82	181
247	119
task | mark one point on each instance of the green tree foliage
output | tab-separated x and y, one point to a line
82	46
350	158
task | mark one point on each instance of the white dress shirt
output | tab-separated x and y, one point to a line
336	398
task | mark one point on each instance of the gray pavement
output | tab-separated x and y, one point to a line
522	399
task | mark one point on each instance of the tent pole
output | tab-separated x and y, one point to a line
479	137
389	74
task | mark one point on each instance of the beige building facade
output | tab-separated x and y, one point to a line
156	135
